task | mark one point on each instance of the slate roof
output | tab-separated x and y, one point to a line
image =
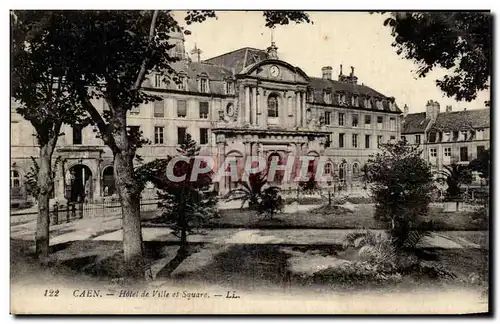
414	123
447	121
319	85
238	59
216	74
462	120
225	66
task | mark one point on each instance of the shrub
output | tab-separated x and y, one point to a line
402	184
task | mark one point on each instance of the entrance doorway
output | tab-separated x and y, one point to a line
108	181
80	183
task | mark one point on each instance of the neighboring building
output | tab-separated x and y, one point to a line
448	137
236	104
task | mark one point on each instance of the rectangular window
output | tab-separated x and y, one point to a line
355	120
455	135
392	138
380	139
159	110
368	119
341	140
479	150
328	142
204	109
157	80
354	140
433	152
203	136
446	136
229	87
181	108
367	141
392	123
447	152
181	135
403	139
77	134
380	122
464	135
327	97
417	139
341	119
328	118
158	135
464	154
432	137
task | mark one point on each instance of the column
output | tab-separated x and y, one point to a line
254	106
303	105
221	154
263	108
255	148
247	105
298	110
59	185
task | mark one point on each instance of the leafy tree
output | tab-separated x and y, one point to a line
39	75
455	175
460	42
401	183
187	204
111	53
270	202
482	165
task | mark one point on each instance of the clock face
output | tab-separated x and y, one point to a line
275	71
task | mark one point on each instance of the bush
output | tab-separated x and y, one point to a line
402	185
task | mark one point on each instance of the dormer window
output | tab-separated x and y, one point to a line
229	87
341	99
310	95
368	103
203	83
157	81
354	101
182	85
327	96
379	105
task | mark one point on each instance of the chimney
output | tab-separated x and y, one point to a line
432	110
448	108
326	71
342	77
352	78
406	110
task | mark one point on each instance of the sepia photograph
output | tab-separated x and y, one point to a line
250	162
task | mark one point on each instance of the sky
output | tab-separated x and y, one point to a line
348	38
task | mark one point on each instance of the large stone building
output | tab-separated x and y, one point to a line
448	137
244	102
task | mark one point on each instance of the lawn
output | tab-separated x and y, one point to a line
360	218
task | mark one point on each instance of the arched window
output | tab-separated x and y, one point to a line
272	105
342	171
278	175
355	170
15	179
328	169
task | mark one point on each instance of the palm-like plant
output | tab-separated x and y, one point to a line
251	191
455	175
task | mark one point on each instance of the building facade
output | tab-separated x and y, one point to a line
449	137
245	102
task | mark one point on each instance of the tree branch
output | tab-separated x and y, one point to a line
142	72
104	128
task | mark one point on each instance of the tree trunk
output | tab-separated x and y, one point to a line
131	217
44	183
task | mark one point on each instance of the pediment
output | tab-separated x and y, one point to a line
276	70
